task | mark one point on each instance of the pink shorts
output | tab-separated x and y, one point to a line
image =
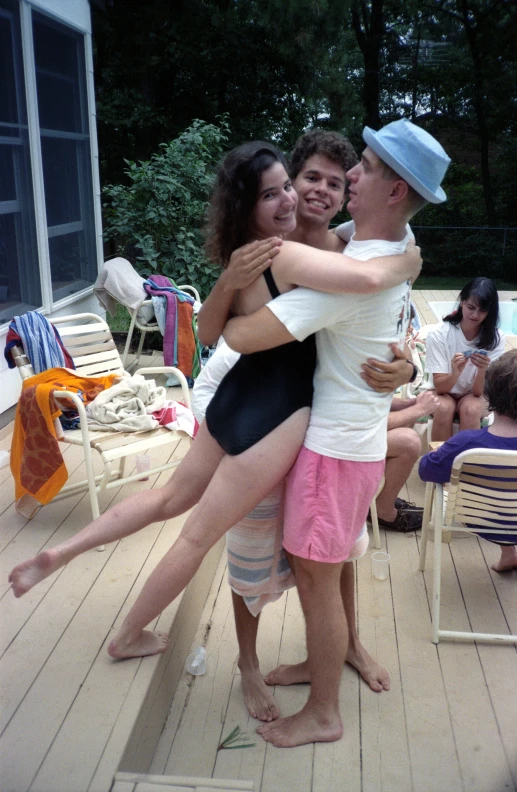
326	505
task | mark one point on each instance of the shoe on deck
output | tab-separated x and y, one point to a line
407	506
404	522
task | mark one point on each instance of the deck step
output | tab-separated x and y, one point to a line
142	782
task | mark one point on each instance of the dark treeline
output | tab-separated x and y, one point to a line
276	67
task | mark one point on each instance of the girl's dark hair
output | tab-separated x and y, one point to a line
484	293
501	385
234	197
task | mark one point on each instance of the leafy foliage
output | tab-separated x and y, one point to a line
157	218
278	67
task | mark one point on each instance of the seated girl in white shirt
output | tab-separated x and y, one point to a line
458	354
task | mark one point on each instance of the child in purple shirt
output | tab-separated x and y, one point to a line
501	393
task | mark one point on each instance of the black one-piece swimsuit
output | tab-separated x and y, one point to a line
261	391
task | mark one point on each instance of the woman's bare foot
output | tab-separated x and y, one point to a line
147	643
302	728
24	576
289	675
257	697
508	559
373	674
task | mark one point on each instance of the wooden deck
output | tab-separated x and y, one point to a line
74	720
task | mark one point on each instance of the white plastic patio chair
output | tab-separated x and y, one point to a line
482	490
152	327
88	339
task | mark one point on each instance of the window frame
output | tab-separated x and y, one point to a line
50	303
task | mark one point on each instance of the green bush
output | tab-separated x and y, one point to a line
156	220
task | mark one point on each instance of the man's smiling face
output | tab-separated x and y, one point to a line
321	190
368	188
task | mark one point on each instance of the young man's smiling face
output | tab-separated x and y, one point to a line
321	190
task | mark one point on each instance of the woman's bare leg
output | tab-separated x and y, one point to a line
257	696
239	483
472	409
181	492
443	417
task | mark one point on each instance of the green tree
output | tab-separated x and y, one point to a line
156	220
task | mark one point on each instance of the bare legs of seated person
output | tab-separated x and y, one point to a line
471	409
404	448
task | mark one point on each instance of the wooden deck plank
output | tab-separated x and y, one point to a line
107	684
448	709
249	764
481	761
84	606
432	752
292	769
384	742
494	758
206	711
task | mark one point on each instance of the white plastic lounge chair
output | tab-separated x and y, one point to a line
480	502
88	339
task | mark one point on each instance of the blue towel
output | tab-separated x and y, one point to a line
41	342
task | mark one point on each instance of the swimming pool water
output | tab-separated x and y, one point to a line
507	312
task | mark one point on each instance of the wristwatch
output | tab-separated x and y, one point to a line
415	371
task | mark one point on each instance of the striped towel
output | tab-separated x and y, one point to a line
41	343
181	347
258	569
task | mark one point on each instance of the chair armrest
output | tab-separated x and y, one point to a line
78	402
170	370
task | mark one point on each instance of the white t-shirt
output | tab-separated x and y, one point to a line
446	341
348	419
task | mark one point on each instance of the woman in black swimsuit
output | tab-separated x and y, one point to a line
227	485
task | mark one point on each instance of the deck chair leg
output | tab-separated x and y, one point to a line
437	568
426	519
139	350
129	337
375	525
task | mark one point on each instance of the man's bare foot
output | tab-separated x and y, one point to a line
373	674
147	643
24	576
300	729
508	559
289	674
257	697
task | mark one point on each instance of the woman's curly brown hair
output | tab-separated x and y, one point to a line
234	196
501	385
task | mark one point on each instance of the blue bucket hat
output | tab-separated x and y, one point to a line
414	154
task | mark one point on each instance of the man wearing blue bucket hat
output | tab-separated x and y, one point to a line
330	486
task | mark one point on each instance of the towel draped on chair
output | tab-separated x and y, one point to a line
36	461
40	340
181	347
118	282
